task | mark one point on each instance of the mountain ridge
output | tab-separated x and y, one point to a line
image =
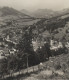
46	13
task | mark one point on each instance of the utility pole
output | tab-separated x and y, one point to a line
27	63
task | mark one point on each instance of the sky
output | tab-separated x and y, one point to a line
32	5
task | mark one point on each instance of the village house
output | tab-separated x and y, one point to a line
67	44
6	52
12	51
55	45
36	44
60	45
2	55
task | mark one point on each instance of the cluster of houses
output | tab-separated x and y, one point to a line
36	44
7	47
54	44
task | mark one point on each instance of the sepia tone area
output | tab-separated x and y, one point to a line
34	40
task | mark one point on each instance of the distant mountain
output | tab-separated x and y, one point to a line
7	13
41	13
25	11
65	11
46	13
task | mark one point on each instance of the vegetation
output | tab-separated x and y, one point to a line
26	56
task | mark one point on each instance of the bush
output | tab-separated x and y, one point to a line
68	63
57	66
64	67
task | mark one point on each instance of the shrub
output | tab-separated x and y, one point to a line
64	67
68	63
57	66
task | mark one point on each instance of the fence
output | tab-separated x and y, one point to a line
24	71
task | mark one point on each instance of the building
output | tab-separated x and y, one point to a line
2	55
12	51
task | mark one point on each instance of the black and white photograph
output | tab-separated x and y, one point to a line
34	39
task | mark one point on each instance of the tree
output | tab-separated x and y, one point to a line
44	52
25	48
25	43
3	66
12	62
